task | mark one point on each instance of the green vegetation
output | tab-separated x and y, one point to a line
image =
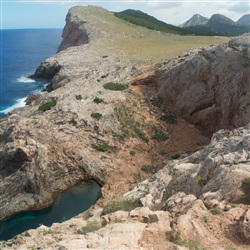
175	156
131	127
91	226
98	100
120	204
47	106
202	182
115	86
149	169
169	117
78	97
160	136
245	187
137	177
140	18
205	219
191	245
103	148
215	211
132	153
96	116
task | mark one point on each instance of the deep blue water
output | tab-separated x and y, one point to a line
21	53
68	204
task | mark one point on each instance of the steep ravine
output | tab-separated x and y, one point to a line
122	138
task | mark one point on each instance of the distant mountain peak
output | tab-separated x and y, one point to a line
244	20
221	19
195	20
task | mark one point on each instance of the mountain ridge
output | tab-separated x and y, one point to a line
219	24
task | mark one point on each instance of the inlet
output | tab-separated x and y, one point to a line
68	204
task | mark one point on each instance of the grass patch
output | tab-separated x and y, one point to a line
47	106
78	97
91	226
120	204
98	100
215	211
103	148
160	136
131	127
96	116
191	245
115	86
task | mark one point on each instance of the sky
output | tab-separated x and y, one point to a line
19	14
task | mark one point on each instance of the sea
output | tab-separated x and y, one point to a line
22	51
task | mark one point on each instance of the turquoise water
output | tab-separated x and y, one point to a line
68	204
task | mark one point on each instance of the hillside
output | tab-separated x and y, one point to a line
137	111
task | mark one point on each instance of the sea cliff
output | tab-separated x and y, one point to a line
122	112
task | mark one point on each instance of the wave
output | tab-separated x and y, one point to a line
25	79
19	103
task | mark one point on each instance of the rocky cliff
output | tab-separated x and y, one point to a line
116	114
209	87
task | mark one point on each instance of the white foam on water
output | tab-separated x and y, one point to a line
19	103
25	79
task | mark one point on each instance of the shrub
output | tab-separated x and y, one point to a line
103	148
120	204
175	156
96	116
138	177
78	97
115	86
132	153
91	226
205	219
160	136
47	106
149	169
98	100
202	182
169	118
245	187
215	211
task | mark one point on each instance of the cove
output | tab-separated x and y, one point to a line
68	204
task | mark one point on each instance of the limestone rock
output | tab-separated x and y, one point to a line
210	87
74	33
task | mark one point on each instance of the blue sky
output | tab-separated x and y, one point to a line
52	13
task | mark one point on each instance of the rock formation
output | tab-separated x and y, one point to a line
210	87
126	141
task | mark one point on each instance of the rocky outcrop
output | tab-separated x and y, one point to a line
210	87
45	151
213	174
74	32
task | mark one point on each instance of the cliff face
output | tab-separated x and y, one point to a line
74	33
120	138
210	87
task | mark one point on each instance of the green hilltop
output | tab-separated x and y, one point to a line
138	17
